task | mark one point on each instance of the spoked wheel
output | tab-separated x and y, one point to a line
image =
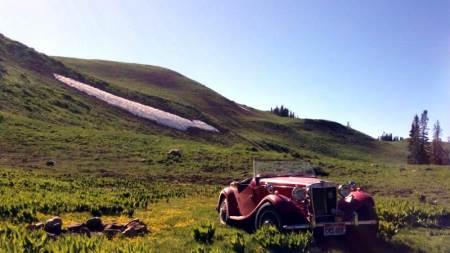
267	216
224	215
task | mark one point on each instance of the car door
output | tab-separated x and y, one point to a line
247	198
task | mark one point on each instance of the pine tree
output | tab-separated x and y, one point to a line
438	153
424	151
283	111
414	141
276	110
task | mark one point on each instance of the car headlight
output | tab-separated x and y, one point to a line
299	193
344	190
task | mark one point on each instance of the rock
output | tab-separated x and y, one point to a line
37	226
174	153
422	198
85	231
109	232
135	230
130	232
53	225
77	228
133	222
94	224
51	163
115	226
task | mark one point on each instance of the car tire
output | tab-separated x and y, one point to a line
267	215
224	214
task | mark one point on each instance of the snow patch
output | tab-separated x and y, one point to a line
138	109
243	108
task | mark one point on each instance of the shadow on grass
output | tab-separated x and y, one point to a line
374	246
355	243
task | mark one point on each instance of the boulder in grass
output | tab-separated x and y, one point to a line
174	153
94	224
109	232
135	229
79	229
53	225
51	163
133	222
115	226
422	198
85	231
130	232
37	226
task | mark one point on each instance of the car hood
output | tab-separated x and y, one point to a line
298	181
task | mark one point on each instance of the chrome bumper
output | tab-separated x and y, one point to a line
317	225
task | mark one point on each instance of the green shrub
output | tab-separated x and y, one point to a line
386	230
203	249
238	243
1	118
403	213
23	194
204	232
200	249
19	239
27	216
12	237
271	239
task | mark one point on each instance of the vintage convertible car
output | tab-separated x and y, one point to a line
288	195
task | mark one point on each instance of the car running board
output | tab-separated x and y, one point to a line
347	223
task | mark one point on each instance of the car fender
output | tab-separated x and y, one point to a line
281	203
229	194
278	201
355	201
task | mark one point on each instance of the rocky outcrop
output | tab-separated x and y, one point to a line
53	227
95	224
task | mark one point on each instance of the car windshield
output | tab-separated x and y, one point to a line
276	168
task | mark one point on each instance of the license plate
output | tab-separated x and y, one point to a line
334	229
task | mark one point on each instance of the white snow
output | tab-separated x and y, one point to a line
243	108
140	110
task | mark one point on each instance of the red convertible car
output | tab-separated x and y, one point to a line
288	195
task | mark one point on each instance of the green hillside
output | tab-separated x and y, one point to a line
42	119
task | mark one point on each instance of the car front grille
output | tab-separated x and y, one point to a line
324	203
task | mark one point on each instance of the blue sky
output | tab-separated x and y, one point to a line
372	63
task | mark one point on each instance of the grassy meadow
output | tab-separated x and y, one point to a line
111	164
172	210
